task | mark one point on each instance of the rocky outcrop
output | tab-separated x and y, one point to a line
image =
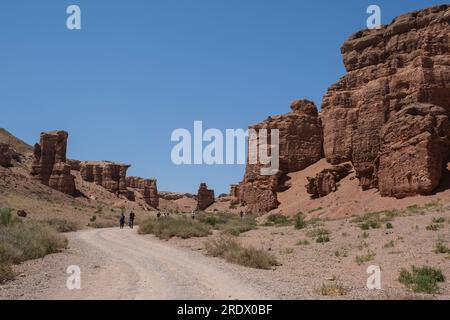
109	175
5	155
205	197
50	166
415	146
147	187
390	69
326	181
300	145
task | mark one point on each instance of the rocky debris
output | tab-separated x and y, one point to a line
50	166
173	196
5	155
388	69
300	145
415	147
326	181
109	175
22	213
205	197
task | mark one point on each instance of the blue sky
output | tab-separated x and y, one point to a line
140	69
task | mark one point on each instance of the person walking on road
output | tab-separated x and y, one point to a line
122	221
132	215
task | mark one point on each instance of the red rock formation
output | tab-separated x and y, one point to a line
50	167
415	146
326	181
300	145
147	187
205	197
109	175
5	155
404	63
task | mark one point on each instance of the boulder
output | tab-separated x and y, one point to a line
326	181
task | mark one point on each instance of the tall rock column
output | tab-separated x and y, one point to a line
49	166
205	197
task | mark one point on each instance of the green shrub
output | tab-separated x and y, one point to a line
229	223
93	218
365	258
439	220
230	250
277	220
424	279
6	217
441	247
323	239
300	222
166	228
333	290
389	226
21	241
433	227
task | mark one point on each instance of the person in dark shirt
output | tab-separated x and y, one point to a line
132	215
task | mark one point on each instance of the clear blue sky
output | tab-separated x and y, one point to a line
139	69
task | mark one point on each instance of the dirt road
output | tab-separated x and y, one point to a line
120	264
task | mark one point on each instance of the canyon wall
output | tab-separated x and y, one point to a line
205	197
389	70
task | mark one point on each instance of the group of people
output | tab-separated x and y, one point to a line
130	220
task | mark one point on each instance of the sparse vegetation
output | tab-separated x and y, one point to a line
229	223
21	241
433	227
333	289
277	220
230	250
320	234
304	242
389	226
62	225
369	256
441	247
439	220
424	279
373	220
167	228
93	218
390	244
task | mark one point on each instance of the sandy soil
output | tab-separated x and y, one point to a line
119	264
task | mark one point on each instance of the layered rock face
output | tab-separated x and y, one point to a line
391	70
5	155
147	187
50	166
300	145
326	181
415	146
205	197
109	175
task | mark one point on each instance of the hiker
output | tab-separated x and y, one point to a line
193	215
132	219
242	215
122	221
158	215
